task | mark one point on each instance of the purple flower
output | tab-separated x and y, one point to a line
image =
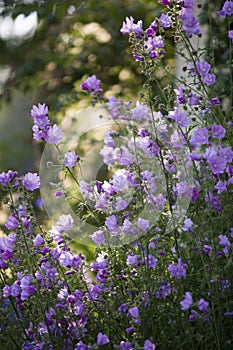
54	135
152	29
183	189
194	316
98	237
180	118
66	259
223	240
111	222
123	308
58	193
143	224
209	79
151	261
180	99
226	153
38	133
86	190
125	345
12	222
227	9
230	35
56	235
38	240
203	67
148	146
70	159
201	136
213	200
91	84
156	42
189	4
121	179
132	260
203	305
217	164
133	312
102	339
178	271
215	101
8	177
190	22
41	110
148	345
123	156
107	154
31	181
165	2
4	178
218	131
221	186
194	99
188	223
187	302
108	139
164	290
27	288
64	223
130	27
228	314
230	180
121	204
39	114
207	249
140	112
6	291
51	272
81	346
165	21
8	243
16	289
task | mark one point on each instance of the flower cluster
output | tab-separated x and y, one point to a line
42	130
161	274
